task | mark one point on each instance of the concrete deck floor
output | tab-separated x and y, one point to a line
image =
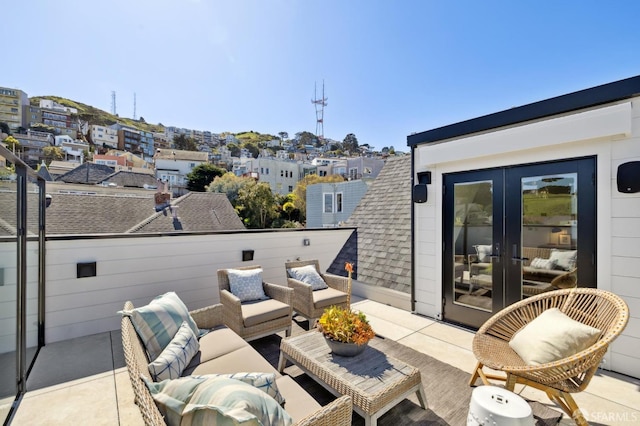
85	380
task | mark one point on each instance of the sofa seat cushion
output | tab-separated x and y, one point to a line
260	311
327	297
242	359
298	403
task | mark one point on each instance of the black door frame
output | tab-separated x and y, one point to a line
506	233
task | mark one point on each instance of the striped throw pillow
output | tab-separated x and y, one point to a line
191	401
157	322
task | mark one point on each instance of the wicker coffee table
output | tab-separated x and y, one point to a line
375	382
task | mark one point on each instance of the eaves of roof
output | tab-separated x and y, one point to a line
587	98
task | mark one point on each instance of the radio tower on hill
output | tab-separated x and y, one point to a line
319	104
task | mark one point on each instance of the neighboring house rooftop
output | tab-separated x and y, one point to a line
383	220
106	214
130	179
89	173
196	212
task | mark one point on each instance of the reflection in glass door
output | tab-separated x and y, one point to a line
474	238
549	231
513	232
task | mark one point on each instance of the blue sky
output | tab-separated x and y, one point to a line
390	68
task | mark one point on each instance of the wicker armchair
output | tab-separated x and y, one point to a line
255	319
597	308
337	412
311	304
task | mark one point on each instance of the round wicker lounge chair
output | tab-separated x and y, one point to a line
559	379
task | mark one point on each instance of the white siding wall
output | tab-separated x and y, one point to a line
140	268
612	134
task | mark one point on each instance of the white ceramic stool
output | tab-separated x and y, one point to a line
494	406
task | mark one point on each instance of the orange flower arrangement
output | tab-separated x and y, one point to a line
345	325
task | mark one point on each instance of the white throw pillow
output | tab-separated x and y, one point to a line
540	263
565	259
246	284
215	401
176	356
484	253
308	275
552	336
157	322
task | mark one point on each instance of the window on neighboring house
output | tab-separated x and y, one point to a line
192	165
339	202
267	171
328	203
353	173
290	188
281	173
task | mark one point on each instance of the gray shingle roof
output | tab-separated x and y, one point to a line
383	219
196	211
100	214
86	173
130	179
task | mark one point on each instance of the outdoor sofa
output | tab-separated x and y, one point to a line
222	351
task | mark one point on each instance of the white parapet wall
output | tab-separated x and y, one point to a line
138	268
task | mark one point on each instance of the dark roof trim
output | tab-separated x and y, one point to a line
606	93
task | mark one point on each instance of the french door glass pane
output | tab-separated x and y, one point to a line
549	232
473	242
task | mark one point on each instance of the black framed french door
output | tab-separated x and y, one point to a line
509	232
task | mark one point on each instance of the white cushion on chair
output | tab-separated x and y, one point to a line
308	275
246	284
552	336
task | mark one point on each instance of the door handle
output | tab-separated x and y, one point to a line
515	257
496	253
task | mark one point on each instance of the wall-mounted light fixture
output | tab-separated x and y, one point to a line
419	194
306	242
85	269
247	255
48	198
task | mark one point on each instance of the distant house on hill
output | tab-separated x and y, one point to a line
173	166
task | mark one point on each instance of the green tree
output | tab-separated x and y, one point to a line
350	143
39	127
252	147
52	153
201	176
12	143
300	191
229	184
234	149
306	138
4	128
257	205
184	143
283	136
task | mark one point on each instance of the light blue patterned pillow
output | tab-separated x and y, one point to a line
246	284
263	381
157	322
176	356
308	275
191	401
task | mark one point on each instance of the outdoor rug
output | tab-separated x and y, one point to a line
447	387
